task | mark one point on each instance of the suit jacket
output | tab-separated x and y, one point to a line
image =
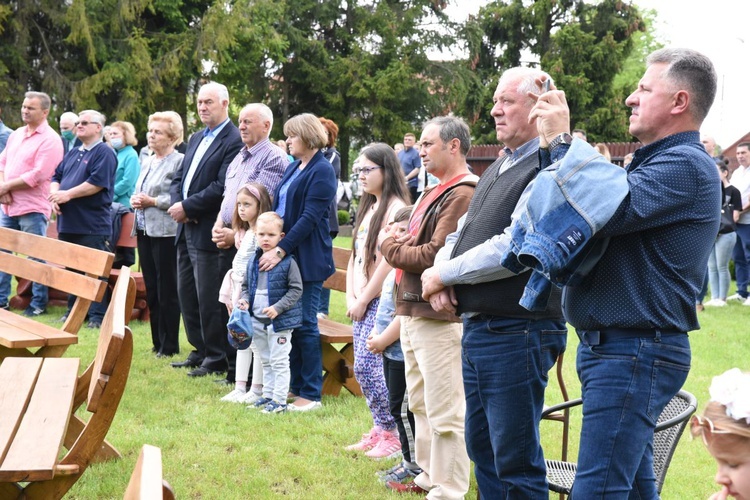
207	186
308	201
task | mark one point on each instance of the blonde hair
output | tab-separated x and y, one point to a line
174	124
271	218
738	428
308	128
260	193
128	132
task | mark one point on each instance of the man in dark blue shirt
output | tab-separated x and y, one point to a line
633	311
410	163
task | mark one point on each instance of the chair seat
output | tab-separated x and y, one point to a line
560	476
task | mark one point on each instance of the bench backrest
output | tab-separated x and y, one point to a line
337	281
74	260
111	337
73	269
146	483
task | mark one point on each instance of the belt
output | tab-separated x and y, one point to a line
596	337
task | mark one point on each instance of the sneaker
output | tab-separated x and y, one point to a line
260	403
251	397
398	473
312	405
274	407
236	396
63	318
747	302
5	306
736	296
322	316
33	312
368	441
93	324
387	447
715	303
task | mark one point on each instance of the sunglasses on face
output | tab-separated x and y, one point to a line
707	429
84	123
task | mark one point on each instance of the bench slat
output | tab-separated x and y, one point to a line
54	277
19	332
335	333
341	257
33	454
80	258
16	384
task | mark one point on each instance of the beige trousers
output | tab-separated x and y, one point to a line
432	355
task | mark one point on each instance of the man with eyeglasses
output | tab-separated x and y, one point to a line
81	194
26	165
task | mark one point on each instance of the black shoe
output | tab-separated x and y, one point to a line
5	306
202	371
164	355
33	312
188	363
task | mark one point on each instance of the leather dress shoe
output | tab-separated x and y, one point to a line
202	371
410	487
188	363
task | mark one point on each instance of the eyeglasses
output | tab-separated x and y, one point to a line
366	170
84	123
707	429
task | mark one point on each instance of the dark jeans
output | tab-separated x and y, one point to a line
198	281
226	257
97	242
398	398
159	265
414	194
306	359
505	365
741	256
625	385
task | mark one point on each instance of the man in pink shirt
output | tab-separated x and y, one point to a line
26	167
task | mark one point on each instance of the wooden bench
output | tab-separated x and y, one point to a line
146	483
338	364
38	401
71	268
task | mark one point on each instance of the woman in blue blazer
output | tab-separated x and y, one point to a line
303	200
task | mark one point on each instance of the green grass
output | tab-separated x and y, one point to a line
213	450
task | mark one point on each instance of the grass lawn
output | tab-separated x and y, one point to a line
215	450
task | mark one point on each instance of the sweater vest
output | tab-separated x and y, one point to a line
489	214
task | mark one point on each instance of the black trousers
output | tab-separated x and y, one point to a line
395	380
159	266
205	318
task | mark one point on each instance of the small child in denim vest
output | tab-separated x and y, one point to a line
273	298
384	340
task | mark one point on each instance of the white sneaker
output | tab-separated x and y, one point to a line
715	303
736	296
236	396
747	302
250	397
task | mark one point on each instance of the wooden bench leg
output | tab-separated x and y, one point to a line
339	370
75	427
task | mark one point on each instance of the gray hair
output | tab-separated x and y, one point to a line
263	110
44	99
452	127
526	79
220	89
69	115
96	117
694	72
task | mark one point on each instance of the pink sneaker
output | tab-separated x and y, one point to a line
367	442
388	447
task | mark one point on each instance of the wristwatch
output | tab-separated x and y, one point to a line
564	138
279	254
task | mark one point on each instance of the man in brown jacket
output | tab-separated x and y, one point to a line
431	341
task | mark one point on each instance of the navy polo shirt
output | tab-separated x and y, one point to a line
89	214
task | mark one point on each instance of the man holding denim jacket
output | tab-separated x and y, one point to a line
507	349
633	311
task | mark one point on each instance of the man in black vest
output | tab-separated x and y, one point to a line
507	350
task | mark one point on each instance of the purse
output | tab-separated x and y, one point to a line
727	218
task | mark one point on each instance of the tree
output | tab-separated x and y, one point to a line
582	46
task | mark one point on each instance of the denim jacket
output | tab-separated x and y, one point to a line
568	203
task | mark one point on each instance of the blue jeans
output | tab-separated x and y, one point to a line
32	223
625	385
718	265
325	301
306	359
505	365
741	256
